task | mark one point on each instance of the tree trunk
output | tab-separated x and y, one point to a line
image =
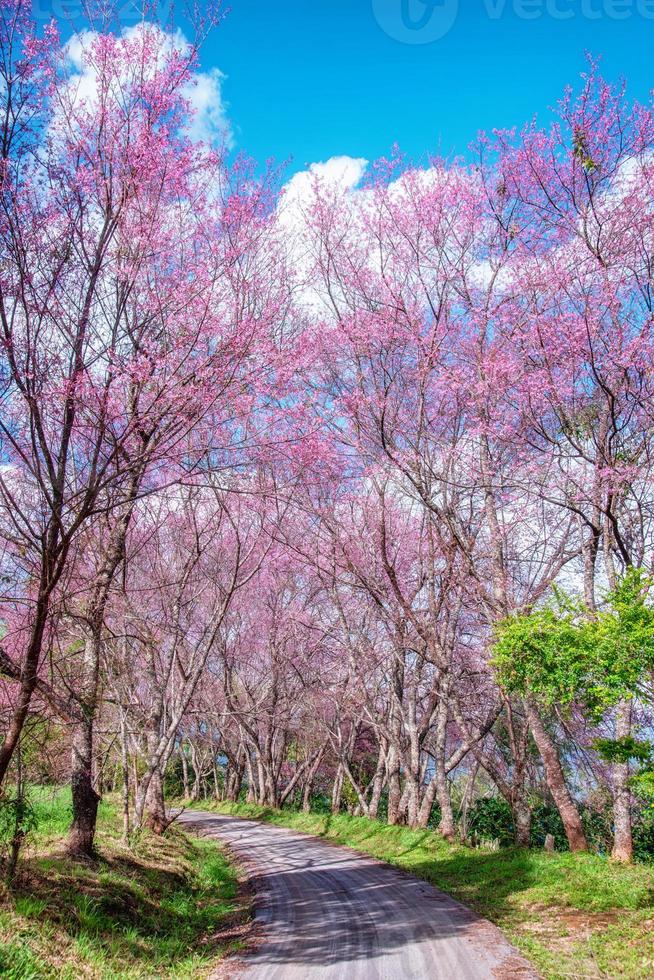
155	806
84	794
394	787
623	847
28	681
446	827
522	822
268	792
566	806
197	775
252	789
261	782
426	804
124	754
337	790
185	782
136	782
234	779
403	805
307	791
377	784
412	789
85	798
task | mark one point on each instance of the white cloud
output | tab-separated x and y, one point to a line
83	80
341	174
209	122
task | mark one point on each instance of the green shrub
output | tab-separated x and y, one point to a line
490	818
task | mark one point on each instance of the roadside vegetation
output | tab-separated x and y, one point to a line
572	915
345	493
160	906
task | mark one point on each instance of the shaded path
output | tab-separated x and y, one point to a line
329	913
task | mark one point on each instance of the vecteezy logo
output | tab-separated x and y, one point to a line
416	21
75	12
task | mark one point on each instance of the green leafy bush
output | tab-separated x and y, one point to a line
490	819
17	820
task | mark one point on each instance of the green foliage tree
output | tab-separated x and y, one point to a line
561	654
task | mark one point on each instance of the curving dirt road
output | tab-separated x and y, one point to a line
328	913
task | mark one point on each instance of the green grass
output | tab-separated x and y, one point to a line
165	906
572	915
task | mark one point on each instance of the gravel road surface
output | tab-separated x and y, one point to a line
327	913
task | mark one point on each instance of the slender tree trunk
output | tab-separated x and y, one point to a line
309	781
377	784
307	791
446	827
270	795
337	790
623	847
135	778
84	794
197	775
394	787
18	834
187	792
28	679
558	787
125	767
261	782
252	789
85	798
412	790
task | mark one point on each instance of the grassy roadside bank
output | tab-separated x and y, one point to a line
163	907
574	916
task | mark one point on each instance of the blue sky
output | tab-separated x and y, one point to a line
311	79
